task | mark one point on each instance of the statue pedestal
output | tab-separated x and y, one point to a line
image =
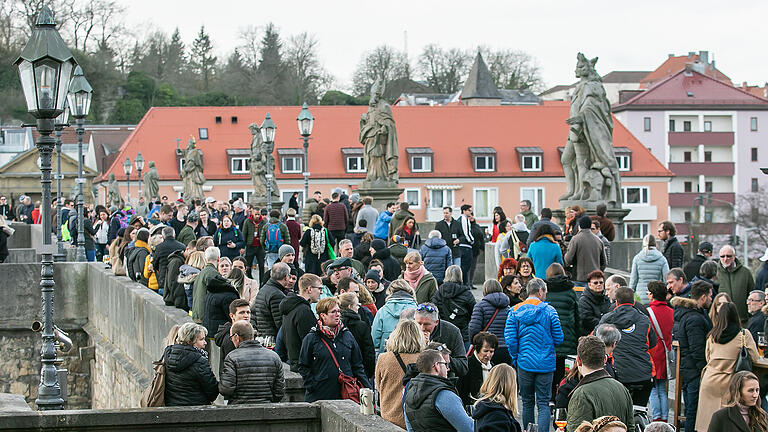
261	202
381	196
614	214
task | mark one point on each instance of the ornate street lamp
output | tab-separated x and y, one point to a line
60	123
139	161
268	135
45	67
127	170
305	121
80	93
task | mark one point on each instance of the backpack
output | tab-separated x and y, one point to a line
274	238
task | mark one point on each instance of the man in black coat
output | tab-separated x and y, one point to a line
161	254
755	303
692	268
361	330
175	289
239	310
428	318
690	330
380	252
672	249
449	231
593	303
298	318
265	310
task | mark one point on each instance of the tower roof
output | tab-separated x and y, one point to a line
479	83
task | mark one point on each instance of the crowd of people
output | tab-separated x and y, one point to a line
350	297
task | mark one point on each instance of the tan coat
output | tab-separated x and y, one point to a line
716	376
250	289
389	381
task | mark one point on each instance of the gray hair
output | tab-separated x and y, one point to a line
435	233
659	426
535	285
408	314
169	232
280	271
434	316
189	332
520	218
212	254
453	274
344	242
491	286
608	333
760	294
617	279
708	269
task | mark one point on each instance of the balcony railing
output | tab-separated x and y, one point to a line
686	199
709	169
693	139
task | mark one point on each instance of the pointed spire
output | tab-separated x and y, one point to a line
479	83
45	17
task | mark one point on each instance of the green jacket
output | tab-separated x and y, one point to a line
199	289
310	207
249	227
599	395
737	282
530	218
283	232
186	235
426	288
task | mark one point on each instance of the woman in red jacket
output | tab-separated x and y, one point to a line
662	320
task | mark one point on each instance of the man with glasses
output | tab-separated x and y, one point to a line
431	402
5	208
672	249
593	303
755	303
298	318
735	280
437	330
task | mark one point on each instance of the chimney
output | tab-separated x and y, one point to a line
671	55
704	56
744	85
688	69
691	54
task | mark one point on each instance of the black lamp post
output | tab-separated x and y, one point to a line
79	97
306	121
45	67
60	123
127	170
139	161
268	135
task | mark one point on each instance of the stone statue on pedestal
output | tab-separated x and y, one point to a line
113	193
261	164
589	162
379	139
192	175
151	182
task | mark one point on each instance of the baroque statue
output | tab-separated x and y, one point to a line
589	162
379	139
113	193
192	175
261	164
151	182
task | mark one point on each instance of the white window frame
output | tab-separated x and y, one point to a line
418	197
426	163
361	161
625	162
647	195
245	192
646	124
296	164
707	126
202	133
539	197
246	161
488	213
447	193
488	158
535	163
645	228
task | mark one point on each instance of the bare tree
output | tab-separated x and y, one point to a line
752	212
444	70
513	69
381	63
307	77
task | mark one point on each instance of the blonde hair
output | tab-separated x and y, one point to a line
326	304
172	333
500	387
364	295
601	424
188	333
196	259
315	219
400	285
347	299
412	255
406	338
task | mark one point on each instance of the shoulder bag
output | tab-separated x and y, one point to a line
350	386
743	362
472	347
154	395
668	353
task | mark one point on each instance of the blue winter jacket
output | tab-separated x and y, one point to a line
437	257
647	266
484	310
381	230
532	331
543	252
388	316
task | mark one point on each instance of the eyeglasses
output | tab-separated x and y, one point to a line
426	307
444	363
334	312
726	256
594	282
317	287
232	335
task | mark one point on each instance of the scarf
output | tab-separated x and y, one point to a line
202	352
330	332
317	241
414	277
486	368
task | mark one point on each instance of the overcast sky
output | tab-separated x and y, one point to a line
624	35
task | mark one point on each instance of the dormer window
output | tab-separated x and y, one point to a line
420	158
354	161
531	158
483	158
623	158
239	161
291	160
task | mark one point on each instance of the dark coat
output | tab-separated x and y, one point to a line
728	419
224	342
761	280
298	320
189	380
448	334
469	385
592	307
294	230
160	263
690	329
450	232
455	303
317	368
756	323
691	269
134	265
392	268
362	333
420	397
224	236
265	310
175	290
673	252
563	298
483	311
437	257
494	417
311	261
631	357
252	374
216	309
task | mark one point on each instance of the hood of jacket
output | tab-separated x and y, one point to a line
485	406
684	306
559	283
400	213
434	243
176	254
729	333
498	300
625	316
292	302
651	255
349	315
452	289
180	357
396	305
187	273
361	230
531	311
382	254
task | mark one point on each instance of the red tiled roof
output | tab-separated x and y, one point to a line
693	89
448	130
674	64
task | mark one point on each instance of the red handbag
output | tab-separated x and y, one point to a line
350	386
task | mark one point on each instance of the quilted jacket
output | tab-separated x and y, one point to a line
532	331
483	311
252	374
